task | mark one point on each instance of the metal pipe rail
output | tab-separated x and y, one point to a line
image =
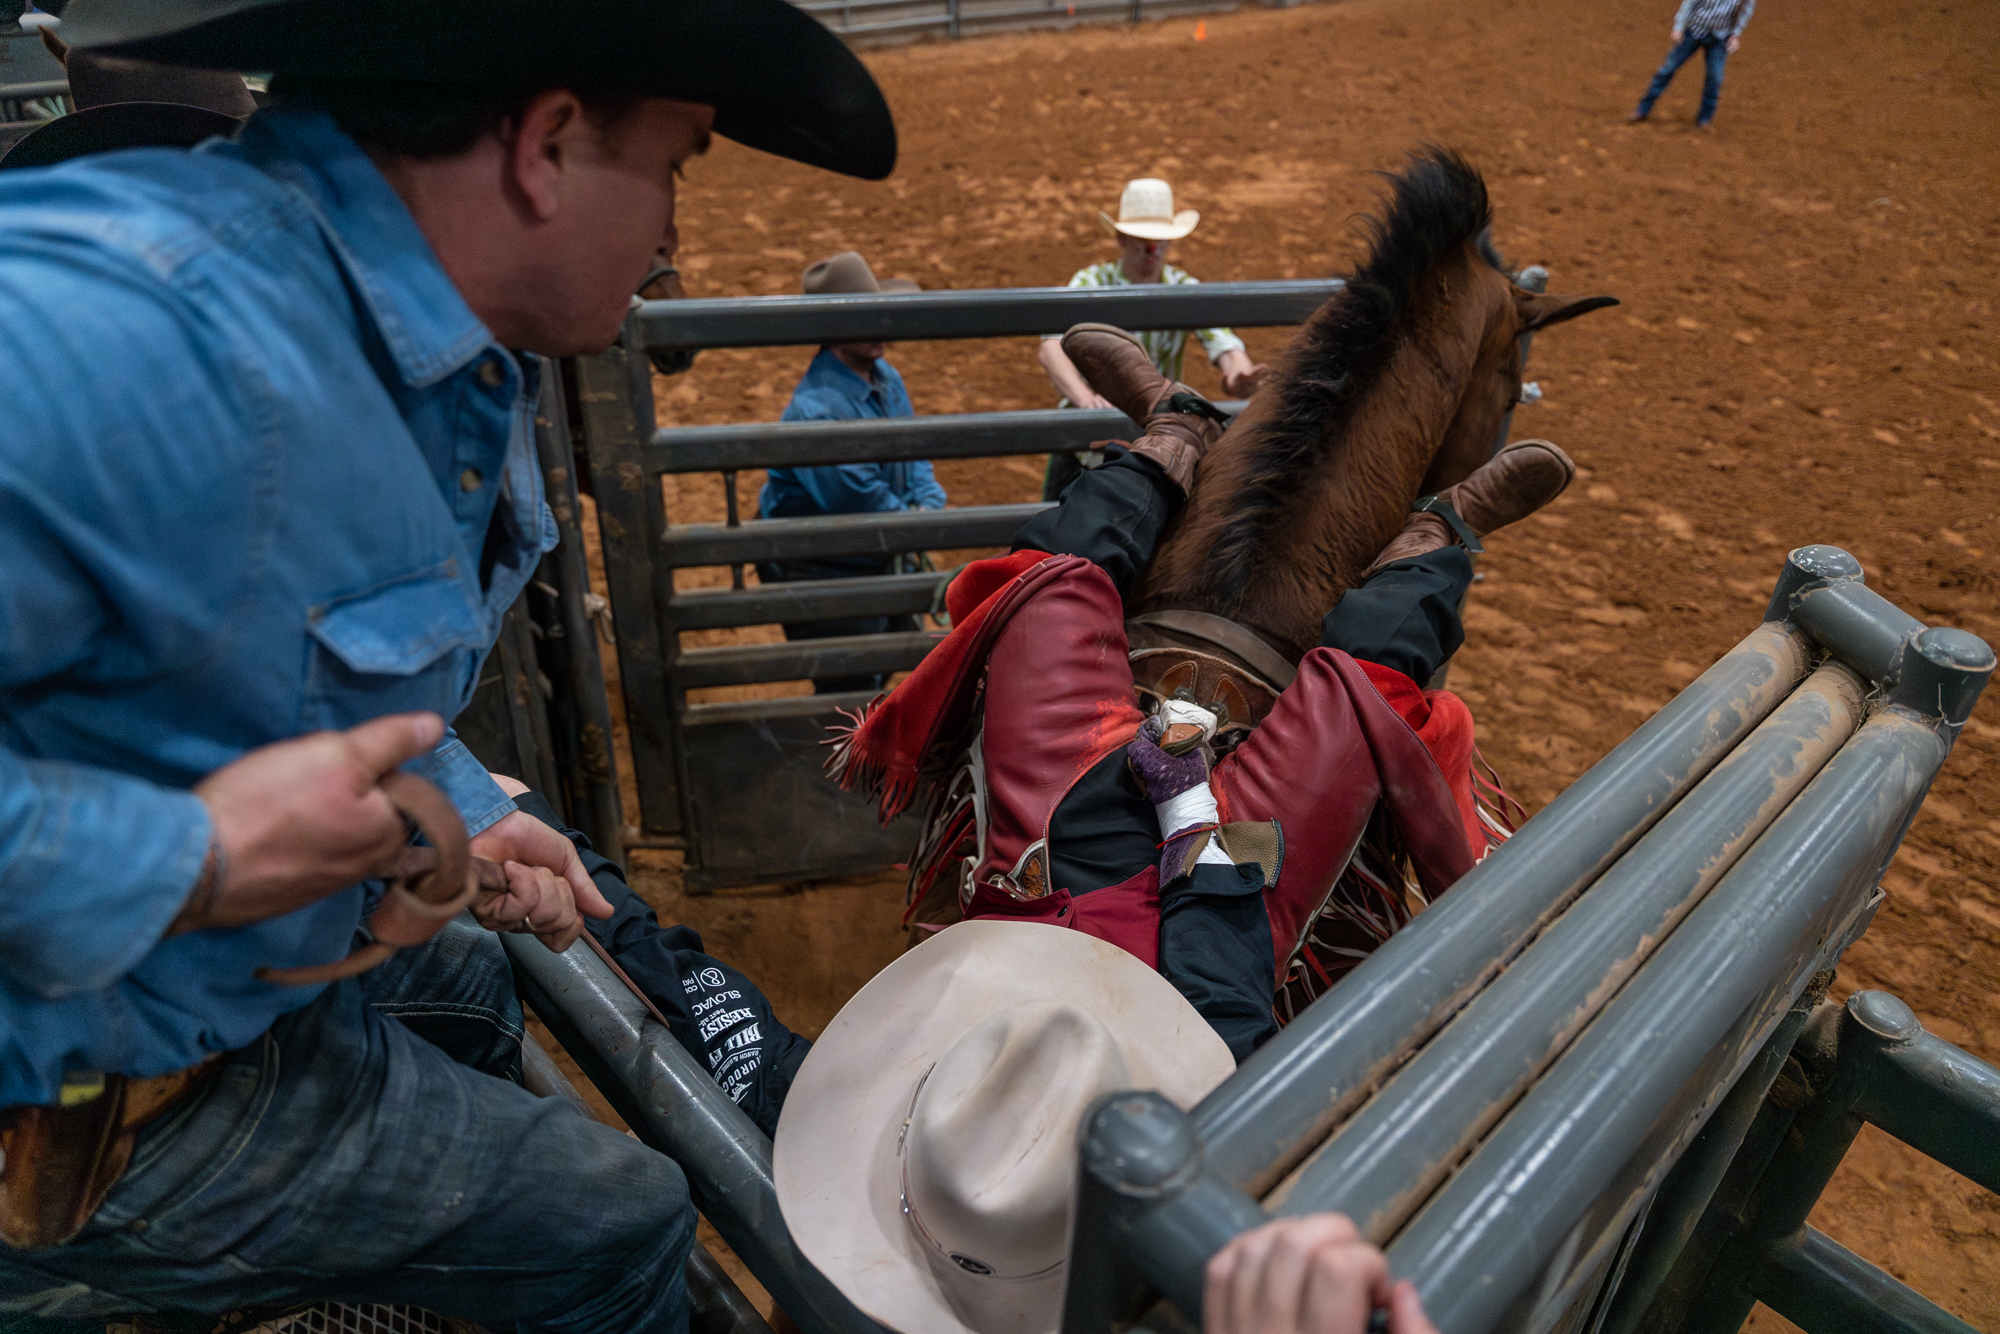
969	435
1382	1164
1001	312
31	89
1602	1126
843	535
844	655
580	713
716	1304
1821	1286
1284	1099
1867	1060
767	710
865	595
673	1104
953	17
1534	1216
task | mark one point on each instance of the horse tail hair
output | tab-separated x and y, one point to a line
1436	204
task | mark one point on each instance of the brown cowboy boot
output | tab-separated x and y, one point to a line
1513	484
1179	424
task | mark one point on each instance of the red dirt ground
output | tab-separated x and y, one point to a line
1806	352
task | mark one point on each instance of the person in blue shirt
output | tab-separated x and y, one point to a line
268	487
846	382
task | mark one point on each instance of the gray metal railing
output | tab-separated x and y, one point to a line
732	782
540	711
1563	1097
1660	926
1284	1099
716	1304
675	1106
999	312
888	20
1865	1060
1395	1151
31	89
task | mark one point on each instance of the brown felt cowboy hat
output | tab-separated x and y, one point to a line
132	104
846	274
926	1158
778	80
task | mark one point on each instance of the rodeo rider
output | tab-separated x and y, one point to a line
269	486
1072	807
919	1160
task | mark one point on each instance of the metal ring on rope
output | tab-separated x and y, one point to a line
428	886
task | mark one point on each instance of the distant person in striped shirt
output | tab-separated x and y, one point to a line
1146	228
1713	27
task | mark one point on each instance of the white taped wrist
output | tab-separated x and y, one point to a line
1194	809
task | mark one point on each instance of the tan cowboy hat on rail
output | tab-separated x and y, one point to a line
926	1159
846	273
1146	210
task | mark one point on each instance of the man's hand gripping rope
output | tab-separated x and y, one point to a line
299	820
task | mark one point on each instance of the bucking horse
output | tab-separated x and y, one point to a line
1345	811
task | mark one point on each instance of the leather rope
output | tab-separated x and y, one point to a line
428	886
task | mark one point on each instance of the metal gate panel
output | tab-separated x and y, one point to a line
613	394
738	785
764	811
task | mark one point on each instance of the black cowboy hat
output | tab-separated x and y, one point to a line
131	104
778	80
118	125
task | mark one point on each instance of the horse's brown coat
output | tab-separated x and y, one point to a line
1396	388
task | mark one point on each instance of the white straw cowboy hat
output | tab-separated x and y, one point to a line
847	272
1146	210
926	1159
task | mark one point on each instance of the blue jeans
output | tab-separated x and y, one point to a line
343	1157
1716	49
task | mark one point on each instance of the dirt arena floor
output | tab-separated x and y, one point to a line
1806	352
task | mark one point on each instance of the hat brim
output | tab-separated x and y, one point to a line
835	1156
1183	223
778	79
117	125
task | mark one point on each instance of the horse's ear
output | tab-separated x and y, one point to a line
57	47
1539	310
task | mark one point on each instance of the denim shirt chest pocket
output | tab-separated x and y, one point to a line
416	642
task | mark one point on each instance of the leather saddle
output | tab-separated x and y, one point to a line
1211	661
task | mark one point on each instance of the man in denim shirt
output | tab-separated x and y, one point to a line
268	487
847	382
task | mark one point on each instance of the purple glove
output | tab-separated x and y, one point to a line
1162	776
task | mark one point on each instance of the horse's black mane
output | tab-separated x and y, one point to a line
1436	204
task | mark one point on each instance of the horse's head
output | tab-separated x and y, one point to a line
1509	312
1396	387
